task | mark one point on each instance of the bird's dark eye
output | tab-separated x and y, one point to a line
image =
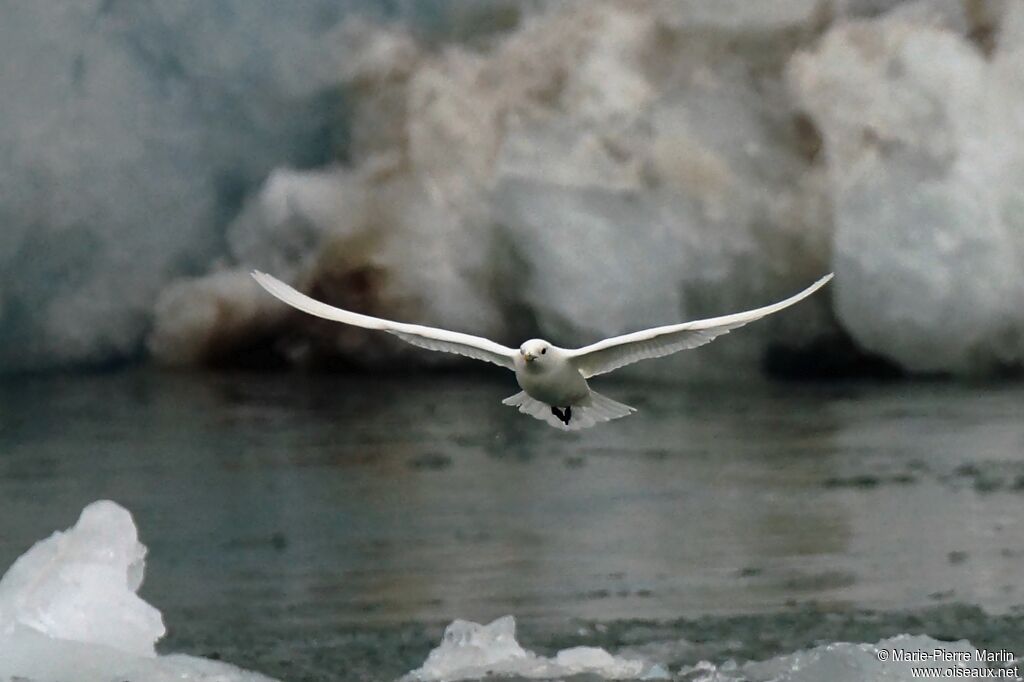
543	351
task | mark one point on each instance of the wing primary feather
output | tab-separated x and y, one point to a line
430	338
610	354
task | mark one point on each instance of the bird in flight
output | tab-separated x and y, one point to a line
553	379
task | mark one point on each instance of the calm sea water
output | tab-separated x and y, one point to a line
293	518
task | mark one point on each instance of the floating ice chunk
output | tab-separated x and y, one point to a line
597	661
129	137
28	655
80	585
471	651
843	662
69	611
470	646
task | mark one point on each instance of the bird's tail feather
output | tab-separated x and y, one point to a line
599	409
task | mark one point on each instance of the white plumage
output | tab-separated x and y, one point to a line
553	379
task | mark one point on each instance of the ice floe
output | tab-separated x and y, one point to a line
471	651
474	651
843	662
69	611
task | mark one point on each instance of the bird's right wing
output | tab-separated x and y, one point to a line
605	356
425	337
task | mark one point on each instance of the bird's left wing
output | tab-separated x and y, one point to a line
418	335
605	356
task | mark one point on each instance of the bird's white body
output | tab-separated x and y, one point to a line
555	390
553	379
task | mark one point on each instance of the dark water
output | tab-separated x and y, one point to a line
303	526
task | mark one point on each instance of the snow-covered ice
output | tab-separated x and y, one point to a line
69	611
471	650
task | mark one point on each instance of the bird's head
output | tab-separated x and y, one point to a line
534	350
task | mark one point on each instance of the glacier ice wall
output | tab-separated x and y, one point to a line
69	610
570	170
473	651
922	116
602	167
131	134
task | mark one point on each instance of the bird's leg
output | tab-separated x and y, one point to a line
564	415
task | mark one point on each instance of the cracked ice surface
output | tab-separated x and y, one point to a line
69	611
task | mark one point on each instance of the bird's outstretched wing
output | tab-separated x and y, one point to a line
605	356
424	337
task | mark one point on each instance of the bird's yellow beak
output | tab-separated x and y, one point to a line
530	357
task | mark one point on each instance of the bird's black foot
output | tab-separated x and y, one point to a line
564	415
